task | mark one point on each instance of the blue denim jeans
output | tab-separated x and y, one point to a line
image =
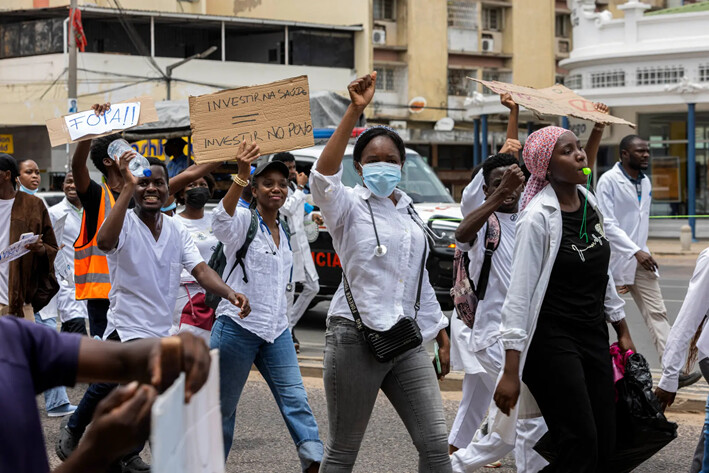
54	397
278	364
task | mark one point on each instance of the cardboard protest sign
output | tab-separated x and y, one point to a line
555	100
187	438
275	116
86	125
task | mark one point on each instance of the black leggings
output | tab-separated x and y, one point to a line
568	370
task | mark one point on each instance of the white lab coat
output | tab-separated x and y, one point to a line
539	233
690	317
626	220
294	209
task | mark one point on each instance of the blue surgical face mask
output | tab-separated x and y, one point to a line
381	178
26	190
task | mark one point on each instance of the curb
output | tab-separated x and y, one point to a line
312	367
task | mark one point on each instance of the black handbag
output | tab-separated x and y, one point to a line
403	336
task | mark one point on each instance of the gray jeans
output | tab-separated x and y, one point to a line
353	378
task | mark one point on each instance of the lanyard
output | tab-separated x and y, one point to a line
262	225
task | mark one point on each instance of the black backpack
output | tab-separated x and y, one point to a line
218	260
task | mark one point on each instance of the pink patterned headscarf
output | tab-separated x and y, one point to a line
537	154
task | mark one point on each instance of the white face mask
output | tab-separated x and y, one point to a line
26	190
381	178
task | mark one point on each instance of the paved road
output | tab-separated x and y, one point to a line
262	443
674	272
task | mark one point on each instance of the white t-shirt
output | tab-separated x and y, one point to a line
145	277
5	211
203	236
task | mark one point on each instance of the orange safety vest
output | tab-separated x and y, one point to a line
90	264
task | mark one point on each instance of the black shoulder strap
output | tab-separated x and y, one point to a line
241	253
417	305
491	243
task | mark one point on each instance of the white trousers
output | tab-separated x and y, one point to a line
479	446
311	287
648	297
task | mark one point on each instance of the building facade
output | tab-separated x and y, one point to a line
425	51
651	68
128	52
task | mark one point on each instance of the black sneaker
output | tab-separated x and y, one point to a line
688	379
296	343
134	464
67	442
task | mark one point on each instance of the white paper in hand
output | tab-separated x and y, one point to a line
188	438
119	117
17	249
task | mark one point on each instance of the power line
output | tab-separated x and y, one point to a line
52	84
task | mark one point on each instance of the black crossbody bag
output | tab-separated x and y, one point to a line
404	335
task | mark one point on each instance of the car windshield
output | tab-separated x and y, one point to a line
417	179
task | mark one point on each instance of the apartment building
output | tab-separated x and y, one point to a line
651	66
424	52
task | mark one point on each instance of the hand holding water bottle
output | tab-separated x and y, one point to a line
129	179
138	166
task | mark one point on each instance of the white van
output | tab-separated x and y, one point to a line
432	201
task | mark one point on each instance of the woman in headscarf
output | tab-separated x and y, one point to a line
561	295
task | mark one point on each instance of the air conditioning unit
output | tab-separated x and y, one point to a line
491	42
379	36
563	47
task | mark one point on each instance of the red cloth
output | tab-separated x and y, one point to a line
78	28
619	359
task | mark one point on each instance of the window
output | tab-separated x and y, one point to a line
492	74
455	157
574	81
385	10
659	75
107	35
561	26
390	79
311	47
492	19
462	14
704	73
30	38
600	80
459	84
185	39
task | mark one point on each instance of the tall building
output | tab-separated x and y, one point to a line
131	43
424	52
652	68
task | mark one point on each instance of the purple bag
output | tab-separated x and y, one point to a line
464	293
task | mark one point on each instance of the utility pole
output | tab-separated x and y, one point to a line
71	81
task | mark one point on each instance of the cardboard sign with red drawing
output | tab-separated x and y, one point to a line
554	100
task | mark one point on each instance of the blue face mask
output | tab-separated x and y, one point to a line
170	207
381	178
26	190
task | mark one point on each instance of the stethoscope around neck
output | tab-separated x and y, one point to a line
262	225
381	250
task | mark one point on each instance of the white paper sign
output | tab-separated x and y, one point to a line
17	249
119	117
188	438
58	227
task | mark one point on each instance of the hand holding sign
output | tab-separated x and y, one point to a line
100	120
118	117
555	100
275	116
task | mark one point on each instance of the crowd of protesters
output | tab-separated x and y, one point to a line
547	256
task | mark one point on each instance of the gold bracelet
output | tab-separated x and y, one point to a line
239	181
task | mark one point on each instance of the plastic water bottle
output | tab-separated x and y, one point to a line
138	166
